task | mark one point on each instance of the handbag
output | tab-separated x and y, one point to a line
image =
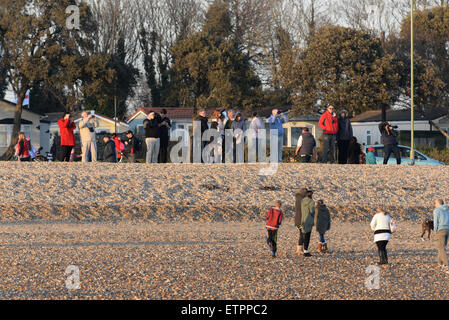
393	226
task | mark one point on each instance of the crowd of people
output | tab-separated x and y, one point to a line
310	214
338	139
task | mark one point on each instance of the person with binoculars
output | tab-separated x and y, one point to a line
389	141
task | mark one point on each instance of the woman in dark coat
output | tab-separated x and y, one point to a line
344	136
322	223
354	151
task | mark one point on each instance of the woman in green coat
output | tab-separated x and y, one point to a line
307	222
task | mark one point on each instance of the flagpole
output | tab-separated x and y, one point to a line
412	89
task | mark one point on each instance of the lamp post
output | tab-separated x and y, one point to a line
412	89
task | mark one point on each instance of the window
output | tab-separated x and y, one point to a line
140	129
368	137
405	153
379	152
6	133
180	126
4	136
419	156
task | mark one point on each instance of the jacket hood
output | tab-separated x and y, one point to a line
345	112
302	192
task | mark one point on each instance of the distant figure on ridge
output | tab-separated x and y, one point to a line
329	124
66	127
88	137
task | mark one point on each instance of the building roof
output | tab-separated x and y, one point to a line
78	118
172	113
401	115
11	121
54	117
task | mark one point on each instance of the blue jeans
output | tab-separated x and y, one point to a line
322	238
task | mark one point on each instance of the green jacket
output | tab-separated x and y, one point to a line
308	214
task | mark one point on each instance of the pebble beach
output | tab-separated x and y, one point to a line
197	232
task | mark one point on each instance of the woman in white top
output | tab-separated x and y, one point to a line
382	227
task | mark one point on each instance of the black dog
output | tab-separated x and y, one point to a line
427	225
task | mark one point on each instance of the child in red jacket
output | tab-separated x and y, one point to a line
274	220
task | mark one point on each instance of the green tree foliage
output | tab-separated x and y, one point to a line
343	67
431	56
117	83
27	27
211	70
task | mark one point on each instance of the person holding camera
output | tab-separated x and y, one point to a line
276	122
66	127
389	141
329	124
88	138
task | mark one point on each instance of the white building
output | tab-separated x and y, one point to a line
366	126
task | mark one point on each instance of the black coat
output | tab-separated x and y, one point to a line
344	129
354	152
110	153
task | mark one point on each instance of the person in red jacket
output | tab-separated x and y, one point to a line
23	148
66	127
119	146
274	220
329	124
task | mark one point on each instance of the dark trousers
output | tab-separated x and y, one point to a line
66	150
163	151
272	239
306	159
343	151
304	239
388	149
382	250
223	150
329	147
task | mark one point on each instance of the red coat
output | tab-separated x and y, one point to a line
119	146
274	218
328	123
66	128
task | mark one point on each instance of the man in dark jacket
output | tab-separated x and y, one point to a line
299	196
204	126
306	146
228	126
110	152
151	126
389	141
344	136
164	136
131	147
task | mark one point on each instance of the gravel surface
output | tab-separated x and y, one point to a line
197	232
98	191
135	260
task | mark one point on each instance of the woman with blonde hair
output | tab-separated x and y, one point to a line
383	226
23	148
